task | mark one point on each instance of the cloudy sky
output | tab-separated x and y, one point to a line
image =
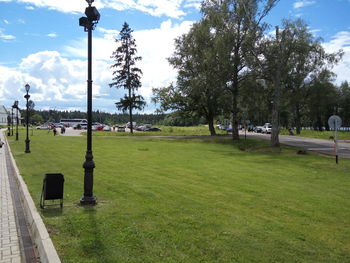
42	44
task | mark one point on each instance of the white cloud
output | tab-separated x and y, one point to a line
59	82
6	22
56	82
30	8
169	8
340	41
300	4
4	36
154	45
52	35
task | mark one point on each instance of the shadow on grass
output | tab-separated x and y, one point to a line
93	245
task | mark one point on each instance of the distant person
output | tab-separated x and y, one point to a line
54	131
63	130
291	132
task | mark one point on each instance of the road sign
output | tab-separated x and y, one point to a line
334	122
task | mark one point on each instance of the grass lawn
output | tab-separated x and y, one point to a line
192	200
200	130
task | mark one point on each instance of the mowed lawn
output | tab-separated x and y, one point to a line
192	200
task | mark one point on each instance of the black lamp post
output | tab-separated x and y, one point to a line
12	118
8	124
15	105
27	96
89	23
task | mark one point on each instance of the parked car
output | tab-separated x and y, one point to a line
267	128
80	126
251	127
107	128
153	129
221	127
258	129
43	127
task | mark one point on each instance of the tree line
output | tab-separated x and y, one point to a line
38	117
231	64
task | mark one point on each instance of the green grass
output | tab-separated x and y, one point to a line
326	135
166	131
192	200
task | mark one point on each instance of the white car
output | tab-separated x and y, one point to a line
107	128
267	128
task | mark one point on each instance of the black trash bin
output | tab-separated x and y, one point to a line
52	188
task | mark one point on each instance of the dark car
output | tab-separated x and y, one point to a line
152	129
258	129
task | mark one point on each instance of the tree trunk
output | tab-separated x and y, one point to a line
276	97
130	113
235	110
275	111
297	119
211	126
319	123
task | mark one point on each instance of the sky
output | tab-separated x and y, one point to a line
42	44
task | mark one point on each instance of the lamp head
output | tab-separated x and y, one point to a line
27	87
92	14
89	2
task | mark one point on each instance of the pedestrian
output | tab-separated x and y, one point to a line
54	131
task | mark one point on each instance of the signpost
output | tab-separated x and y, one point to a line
334	123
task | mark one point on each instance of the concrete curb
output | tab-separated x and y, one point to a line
38	231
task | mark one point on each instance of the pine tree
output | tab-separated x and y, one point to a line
126	75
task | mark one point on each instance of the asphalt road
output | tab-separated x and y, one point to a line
310	144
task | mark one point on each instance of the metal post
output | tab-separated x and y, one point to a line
8	125
17	123
12	121
89	165
27	96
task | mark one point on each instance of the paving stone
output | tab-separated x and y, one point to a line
9	243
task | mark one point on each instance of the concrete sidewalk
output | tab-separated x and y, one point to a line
23	235
10	247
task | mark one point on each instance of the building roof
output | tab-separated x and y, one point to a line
3	110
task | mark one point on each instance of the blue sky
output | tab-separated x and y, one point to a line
42	44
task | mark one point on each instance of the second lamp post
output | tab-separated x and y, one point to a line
27	96
89	22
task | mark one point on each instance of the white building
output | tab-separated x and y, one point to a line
4	112
3	115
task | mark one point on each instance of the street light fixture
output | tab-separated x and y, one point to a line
27	96
8	124
89	23
15	106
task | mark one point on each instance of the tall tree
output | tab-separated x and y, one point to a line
343	96
322	99
271	62
308	57
126	74
200	87
240	24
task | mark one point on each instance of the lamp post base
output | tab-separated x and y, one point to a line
88	200
89	165
27	150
